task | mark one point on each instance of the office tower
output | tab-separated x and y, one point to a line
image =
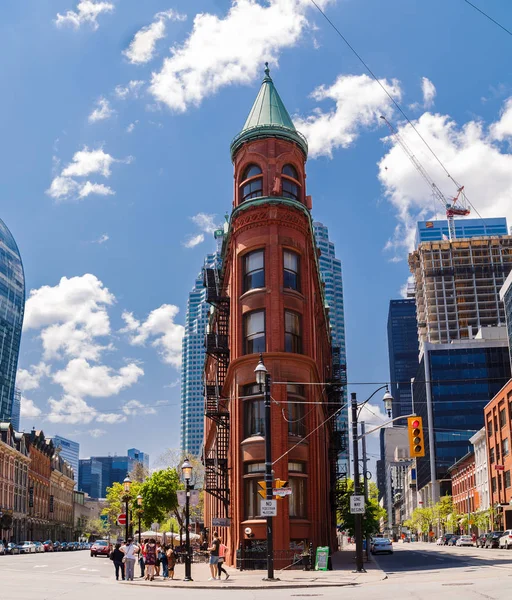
16	409
403	353
428	231
269	299
12	307
506	298
192	364
98	473
458	285
330	270
90	478
70	452
139	456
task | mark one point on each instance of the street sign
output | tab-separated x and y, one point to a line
121	519
282	491
269	508
194	497
499	467
357	505
182	497
220	522
155	526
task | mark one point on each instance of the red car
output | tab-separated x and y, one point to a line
48	546
100	548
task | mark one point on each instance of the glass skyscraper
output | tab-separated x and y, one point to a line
192	366
426	231
330	270
142	457
12	308
70	452
16	410
403	353
506	297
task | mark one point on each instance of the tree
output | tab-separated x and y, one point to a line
373	513
139	473
443	511
159	495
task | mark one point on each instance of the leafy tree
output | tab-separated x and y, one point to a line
139	473
373	514
443	511
159	495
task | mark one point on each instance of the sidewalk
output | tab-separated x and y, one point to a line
343	563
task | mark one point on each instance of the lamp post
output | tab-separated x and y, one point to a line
139	511
263	380
186	469
126	485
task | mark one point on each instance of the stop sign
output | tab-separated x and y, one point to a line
121	519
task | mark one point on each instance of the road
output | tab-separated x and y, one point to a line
416	571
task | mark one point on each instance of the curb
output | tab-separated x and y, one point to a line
204	586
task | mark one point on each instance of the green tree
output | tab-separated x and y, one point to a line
159	495
443	511
373	513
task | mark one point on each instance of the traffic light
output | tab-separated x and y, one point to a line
278	484
416	441
263	491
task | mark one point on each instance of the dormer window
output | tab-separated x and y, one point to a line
252	183
291	185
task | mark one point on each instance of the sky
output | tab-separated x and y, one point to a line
116	119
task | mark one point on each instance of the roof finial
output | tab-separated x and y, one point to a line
267	70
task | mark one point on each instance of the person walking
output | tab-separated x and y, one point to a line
222	558
117	556
214	556
162	557
131	551
142	558
171	561
150	559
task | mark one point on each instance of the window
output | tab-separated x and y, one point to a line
297	499
505	448
254	332
251	498
491	455
291	263
497	450
254	270
290	187
493	485
296	410
503	417
254	411
489	427
507	479
292	337
252	185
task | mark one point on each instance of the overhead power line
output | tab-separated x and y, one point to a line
489	17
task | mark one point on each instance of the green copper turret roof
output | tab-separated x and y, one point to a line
268	118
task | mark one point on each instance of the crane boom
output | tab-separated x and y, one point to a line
450	208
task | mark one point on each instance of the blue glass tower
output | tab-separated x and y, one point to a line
506	297
70	452
426	231
330	270
12	308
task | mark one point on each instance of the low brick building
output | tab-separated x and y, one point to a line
465	496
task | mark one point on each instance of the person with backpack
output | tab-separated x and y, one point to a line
222	557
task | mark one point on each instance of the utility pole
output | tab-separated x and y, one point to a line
469	512
358	530
365	479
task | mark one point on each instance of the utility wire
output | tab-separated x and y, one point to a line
489	17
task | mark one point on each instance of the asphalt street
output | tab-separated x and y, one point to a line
416	571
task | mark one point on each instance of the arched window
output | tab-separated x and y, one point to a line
291	187
252	183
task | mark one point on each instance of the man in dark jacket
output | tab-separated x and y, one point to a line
116	556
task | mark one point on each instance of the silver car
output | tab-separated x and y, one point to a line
381	545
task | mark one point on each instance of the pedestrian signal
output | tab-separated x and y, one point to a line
416	441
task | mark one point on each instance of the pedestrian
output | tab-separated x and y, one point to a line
162	557
222	556
150	559
171	561
142	558
131	551
157	562
214	556
117	557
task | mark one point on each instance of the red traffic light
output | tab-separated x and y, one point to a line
415	424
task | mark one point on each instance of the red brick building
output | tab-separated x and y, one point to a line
41	450
268	298
498	425
464	494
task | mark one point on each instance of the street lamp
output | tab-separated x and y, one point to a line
263	380
388	402
126	485
186	469
139	511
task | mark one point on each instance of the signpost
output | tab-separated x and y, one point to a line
194	497
357	505
322	558
182	497
121	519
281	492
269	508
220	522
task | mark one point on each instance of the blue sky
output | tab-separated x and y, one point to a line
102	178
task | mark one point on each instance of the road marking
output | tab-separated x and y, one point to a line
40	566
68	569
90	570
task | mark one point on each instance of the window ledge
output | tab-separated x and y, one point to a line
253	291
291	292
252	438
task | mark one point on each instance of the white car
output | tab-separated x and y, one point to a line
381	545
505	540
464	540
27	547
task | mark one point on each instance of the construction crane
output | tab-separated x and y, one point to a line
450	205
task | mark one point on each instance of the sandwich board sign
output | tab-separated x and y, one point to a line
322	558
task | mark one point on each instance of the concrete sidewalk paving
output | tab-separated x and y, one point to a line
343	563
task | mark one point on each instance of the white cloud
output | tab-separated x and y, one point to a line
471	154
87	11
29	379
194	240
429	92
102	239
205	222
110	418
70	410
71	316
143	46
79	378
359	103
131	126
131	89
102	111
96	433
237	46
85	162
28	408
134	408
160	326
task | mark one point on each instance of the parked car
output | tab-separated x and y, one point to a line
440	541
464	540
26	547
48	546
64	546
56	546
505	540
453	540
12	548
381	545
100	548
446	538
493	539
480	540
39	546
3	549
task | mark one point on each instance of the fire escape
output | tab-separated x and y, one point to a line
216	405
339	433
